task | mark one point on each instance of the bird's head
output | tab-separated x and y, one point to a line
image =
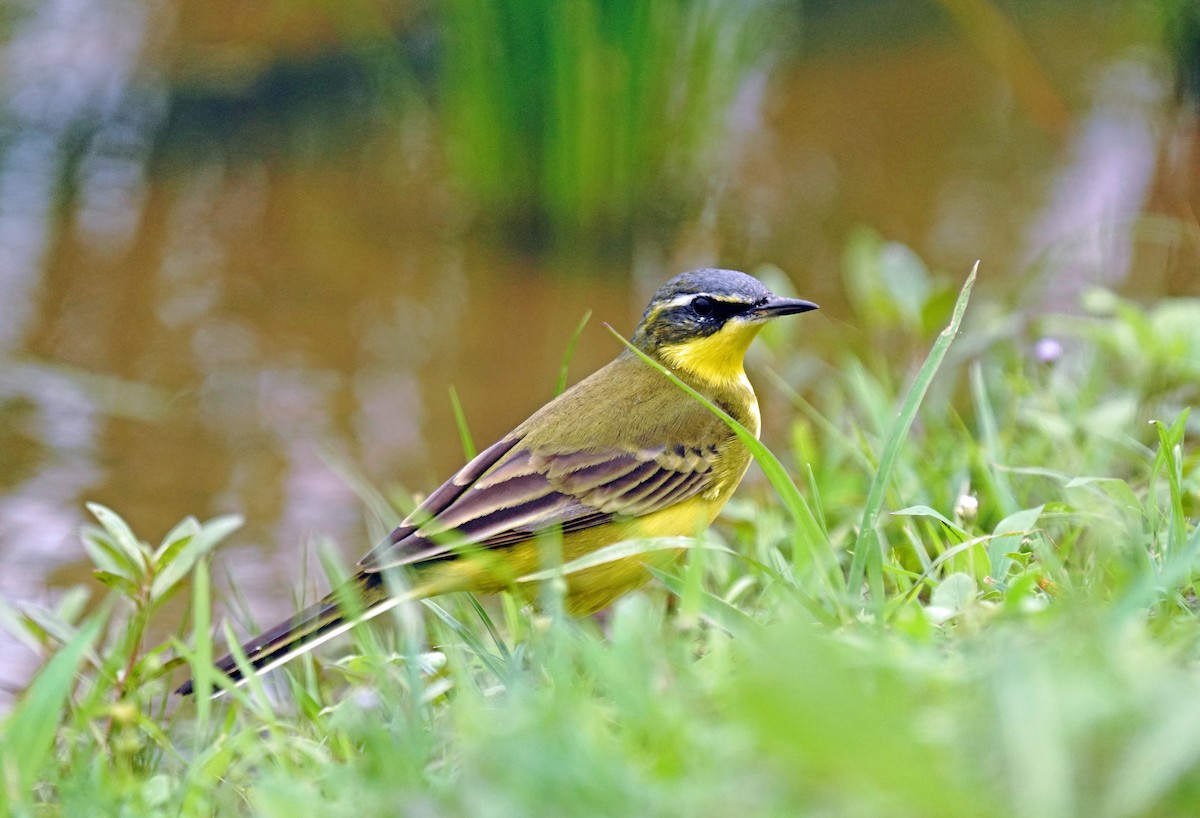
703	321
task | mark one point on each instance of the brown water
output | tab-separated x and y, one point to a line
202	330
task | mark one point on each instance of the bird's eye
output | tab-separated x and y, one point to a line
702	306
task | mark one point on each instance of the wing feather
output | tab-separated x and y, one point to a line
514	493
507	495
380	556
613	469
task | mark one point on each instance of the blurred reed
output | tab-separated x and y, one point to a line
585	120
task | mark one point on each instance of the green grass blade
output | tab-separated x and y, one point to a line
990	443
202	662
30	731
728	616
1180	552
868	554
1170	450
497	665
460	421
493	632
561	386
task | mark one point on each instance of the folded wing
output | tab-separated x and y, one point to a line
507	494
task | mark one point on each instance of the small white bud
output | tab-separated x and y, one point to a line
967	508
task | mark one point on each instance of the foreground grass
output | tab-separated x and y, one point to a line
984	607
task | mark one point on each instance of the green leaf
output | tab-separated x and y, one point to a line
1113	488
952	595
137	552
106	556
49	622
907	280
1006	539
989	453
153	664
203	541
201	660
14	623
176	538
926	511
123	585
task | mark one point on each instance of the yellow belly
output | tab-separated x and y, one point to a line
590	589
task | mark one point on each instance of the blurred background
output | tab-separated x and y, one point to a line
246	249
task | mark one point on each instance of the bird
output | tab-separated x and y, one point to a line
623	454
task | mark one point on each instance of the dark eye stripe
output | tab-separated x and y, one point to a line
718	311
724	310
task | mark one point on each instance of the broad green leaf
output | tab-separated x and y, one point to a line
121	534
926	511
14	623
907	280
106	556
176	538
210	534
1114	488
955	591
123	585
1007	538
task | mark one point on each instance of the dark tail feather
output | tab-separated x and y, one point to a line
360	599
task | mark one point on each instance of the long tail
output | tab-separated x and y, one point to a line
365	596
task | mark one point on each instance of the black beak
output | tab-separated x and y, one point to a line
777	305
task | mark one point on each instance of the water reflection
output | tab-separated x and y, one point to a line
69	66
1085	235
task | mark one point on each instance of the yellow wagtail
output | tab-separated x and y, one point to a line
623	454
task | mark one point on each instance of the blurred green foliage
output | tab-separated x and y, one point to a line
1181	29
570	120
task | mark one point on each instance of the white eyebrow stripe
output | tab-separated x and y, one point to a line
677	301
680	300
